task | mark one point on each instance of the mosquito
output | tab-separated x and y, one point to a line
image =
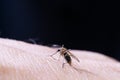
66	54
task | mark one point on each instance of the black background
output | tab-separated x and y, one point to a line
78	24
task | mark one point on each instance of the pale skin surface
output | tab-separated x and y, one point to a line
24	61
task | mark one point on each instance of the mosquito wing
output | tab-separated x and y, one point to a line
73	56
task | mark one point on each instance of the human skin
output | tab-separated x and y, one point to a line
23	61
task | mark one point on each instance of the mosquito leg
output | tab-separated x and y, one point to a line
63	63
59	57
69	50
54	54
53	58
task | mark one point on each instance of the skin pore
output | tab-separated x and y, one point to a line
23	61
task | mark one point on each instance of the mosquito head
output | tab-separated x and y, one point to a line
62	49
58	50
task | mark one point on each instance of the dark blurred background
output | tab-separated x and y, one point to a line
78	24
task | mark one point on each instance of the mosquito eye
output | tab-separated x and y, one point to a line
58	50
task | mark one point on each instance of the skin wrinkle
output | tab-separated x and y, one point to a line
32	62
53	70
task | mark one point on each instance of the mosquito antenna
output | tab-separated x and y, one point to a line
62	45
